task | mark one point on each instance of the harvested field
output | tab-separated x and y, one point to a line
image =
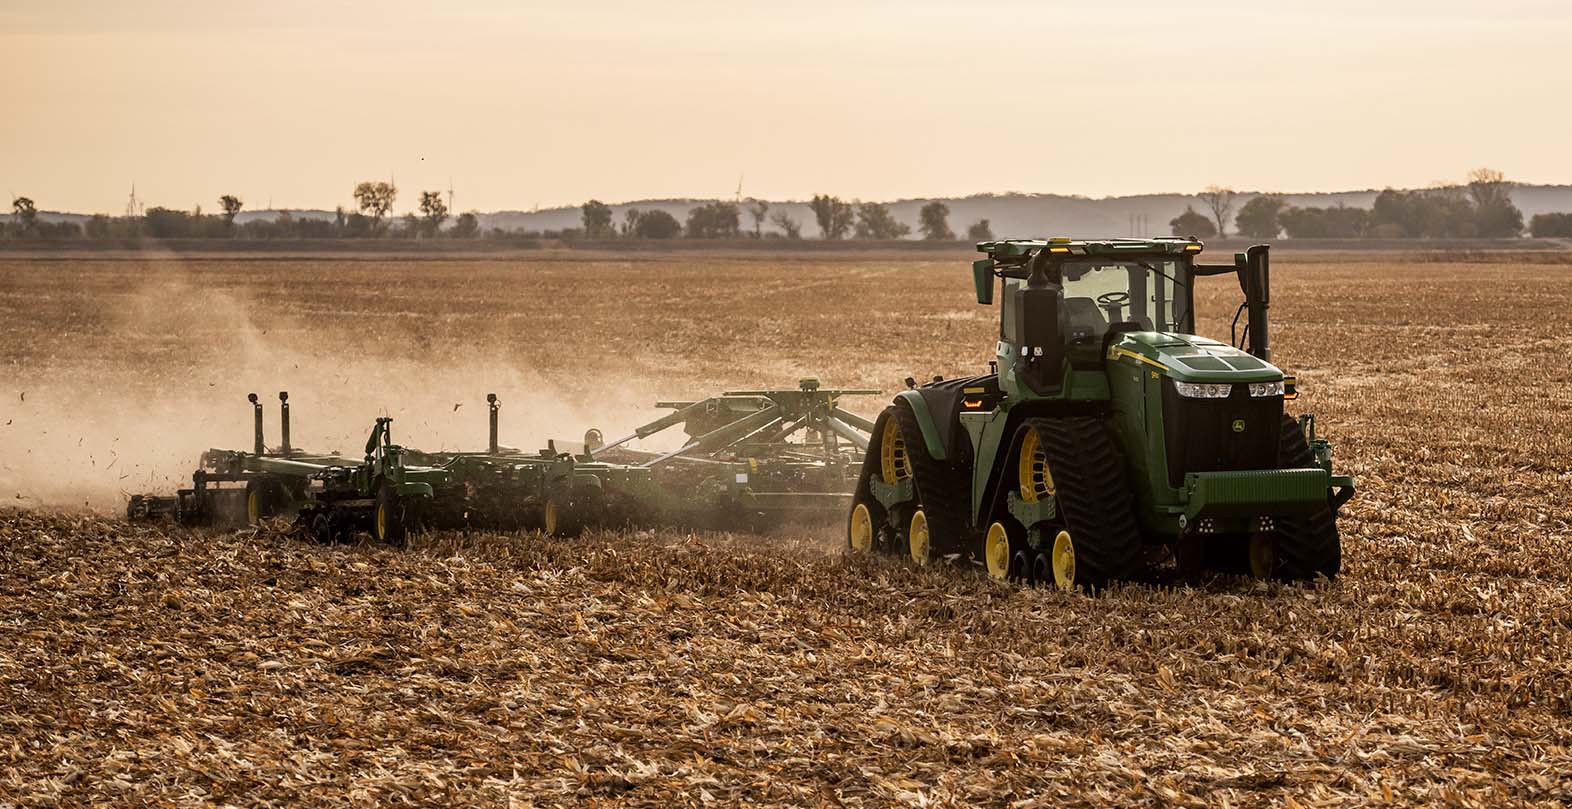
143	665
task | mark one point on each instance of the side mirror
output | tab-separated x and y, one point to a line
982	278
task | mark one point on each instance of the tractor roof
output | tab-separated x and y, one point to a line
1020	248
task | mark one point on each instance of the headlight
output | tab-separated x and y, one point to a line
1259	389
1204	390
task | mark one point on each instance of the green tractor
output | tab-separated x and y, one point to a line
1109	438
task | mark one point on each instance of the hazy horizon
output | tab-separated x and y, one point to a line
294	103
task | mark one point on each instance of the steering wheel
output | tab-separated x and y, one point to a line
1113	303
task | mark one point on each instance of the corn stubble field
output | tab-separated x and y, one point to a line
144	665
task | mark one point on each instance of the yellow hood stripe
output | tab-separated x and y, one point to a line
1115	352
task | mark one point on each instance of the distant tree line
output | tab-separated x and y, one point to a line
837	219
1482	207
372	218
373	204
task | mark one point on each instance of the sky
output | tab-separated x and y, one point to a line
523	104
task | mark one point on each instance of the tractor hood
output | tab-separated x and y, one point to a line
1188	358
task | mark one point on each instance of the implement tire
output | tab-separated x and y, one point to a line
391	517
562	516
1094	501
265	499
1304	547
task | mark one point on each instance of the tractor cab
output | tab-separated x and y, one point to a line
1112	294
1065	303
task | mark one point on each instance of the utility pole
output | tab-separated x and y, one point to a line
133	205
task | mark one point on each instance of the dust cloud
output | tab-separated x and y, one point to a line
87	432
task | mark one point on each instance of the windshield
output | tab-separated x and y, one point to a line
1150	293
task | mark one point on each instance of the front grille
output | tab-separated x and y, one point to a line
1200	437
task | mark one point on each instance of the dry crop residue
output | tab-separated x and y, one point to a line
143	665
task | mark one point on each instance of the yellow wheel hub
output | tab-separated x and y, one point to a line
1064	561
860	532
996	551
1036	478
551	517
917	538
382	521
254	506
894	466
1263	557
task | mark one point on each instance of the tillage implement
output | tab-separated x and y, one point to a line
1109	437
393	489
751	457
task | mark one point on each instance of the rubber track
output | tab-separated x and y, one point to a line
1305	546
1094	497
872	463
944	491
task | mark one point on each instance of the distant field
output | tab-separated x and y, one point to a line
404	249
656	668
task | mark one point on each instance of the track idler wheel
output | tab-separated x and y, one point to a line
1042	570
1062	559
865	528
1021	567
1004	551
919	542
